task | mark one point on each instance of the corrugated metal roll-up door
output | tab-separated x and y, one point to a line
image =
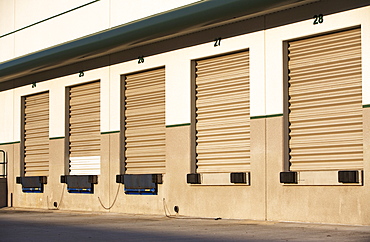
325	119
84	129
222	114
36	135
145	126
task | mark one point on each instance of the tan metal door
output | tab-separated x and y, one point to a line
36	135
145	127
84	129
325	102
222	114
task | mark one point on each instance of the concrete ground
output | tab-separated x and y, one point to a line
54	225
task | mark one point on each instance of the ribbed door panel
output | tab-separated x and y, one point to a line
84	129
222	114
36	135
145	122
325	102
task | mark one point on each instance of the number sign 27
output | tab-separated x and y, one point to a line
318	19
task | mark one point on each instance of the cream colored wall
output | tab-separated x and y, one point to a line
320	204
92	18
265	198
225	201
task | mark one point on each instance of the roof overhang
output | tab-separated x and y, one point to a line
194	17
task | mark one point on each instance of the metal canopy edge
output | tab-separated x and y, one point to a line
175	22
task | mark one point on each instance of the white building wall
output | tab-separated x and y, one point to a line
6	25
97	16
266	73
266	81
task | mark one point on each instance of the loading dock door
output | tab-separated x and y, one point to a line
145	128
325	102
36	135
222	113
84	129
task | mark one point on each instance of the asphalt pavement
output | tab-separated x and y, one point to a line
55	225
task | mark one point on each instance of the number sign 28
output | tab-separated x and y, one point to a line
318	19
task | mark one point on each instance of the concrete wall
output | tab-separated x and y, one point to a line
264	198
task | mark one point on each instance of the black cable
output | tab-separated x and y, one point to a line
115	199
17	30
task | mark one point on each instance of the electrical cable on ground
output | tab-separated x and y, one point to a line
165	208
60	200
115	199
61	197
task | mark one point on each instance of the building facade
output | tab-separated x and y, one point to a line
232	109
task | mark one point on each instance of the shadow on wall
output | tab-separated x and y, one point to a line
3	192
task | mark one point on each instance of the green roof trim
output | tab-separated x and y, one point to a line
193	17
366	106
53	138
267	116
110	132
177	125
10	143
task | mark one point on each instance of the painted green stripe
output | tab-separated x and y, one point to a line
267	116
110	132
177	125
10	143
52	138
366	106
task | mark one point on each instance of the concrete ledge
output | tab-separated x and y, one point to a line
323	178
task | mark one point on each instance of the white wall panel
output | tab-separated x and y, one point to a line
274	75
87	20
75	24
257	74
42	9
6	116
178	93
124	11
57	99
365	40
7	42
114	99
